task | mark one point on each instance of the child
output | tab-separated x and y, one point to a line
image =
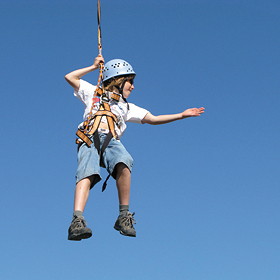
118	78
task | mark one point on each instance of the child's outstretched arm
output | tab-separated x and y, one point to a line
162	119
73	78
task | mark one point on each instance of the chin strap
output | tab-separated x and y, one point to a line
120	89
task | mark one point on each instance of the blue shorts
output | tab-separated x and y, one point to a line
89	160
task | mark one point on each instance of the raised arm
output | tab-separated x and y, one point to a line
162	119
73	78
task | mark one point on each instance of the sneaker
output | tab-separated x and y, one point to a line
124	224
78	229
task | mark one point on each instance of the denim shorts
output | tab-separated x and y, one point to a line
89	160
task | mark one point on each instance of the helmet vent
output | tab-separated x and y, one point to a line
117	67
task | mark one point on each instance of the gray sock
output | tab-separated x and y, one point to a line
78	214
123	209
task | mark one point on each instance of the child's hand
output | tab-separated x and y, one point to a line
193	112
98	60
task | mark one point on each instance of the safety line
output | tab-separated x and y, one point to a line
100	78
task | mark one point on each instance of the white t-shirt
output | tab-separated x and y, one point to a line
135	114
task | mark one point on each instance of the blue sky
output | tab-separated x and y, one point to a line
205	190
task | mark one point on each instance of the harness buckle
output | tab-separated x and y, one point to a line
105	98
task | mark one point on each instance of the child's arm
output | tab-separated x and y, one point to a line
162	119
73	78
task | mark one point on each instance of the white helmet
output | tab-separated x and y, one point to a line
117	67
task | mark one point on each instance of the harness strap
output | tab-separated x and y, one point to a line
116	96
106	113
110	119
96	124
105	183
81	135
104	110
101	151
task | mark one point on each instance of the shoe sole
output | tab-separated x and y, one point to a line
123	233
80	236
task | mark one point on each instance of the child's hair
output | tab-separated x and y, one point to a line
116	82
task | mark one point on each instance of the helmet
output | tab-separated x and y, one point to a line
117	67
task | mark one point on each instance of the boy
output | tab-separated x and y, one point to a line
118	76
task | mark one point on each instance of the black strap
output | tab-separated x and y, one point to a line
96	141
101	151
105	183
106	142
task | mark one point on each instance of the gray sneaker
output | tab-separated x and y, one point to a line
124	224
78	229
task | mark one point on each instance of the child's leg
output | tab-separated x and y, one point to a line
78	229
123	179
125	221
82	193
118	163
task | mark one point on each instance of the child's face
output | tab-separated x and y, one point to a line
128	87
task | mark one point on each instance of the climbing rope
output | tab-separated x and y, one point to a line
100	78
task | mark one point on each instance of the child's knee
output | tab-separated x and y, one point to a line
121	169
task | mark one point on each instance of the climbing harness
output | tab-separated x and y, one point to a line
93	127
90	127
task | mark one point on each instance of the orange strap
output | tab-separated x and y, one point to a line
115	96
104	110
110	119
106	113
82	136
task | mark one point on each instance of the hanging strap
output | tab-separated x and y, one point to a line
101	151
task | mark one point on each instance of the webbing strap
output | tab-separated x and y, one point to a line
110	119
101	151
81	135
105	113
95	125
105	183
115	96
104	110
104	145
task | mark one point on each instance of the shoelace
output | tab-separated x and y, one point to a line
129	220
80	223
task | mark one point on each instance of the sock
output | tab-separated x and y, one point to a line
77	214
123	209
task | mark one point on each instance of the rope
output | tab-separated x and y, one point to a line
100	78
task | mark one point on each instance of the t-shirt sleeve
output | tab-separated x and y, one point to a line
85	91
136	114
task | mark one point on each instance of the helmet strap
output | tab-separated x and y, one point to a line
121	91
